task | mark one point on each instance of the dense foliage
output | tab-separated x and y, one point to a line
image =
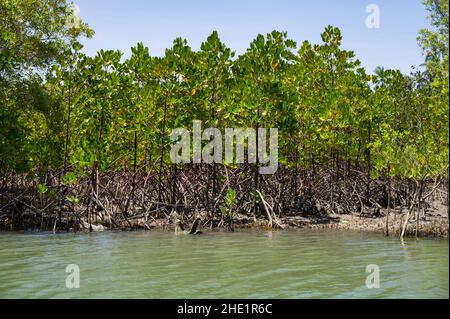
67	119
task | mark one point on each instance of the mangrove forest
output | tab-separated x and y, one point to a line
85	140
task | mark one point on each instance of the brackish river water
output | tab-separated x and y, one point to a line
288	264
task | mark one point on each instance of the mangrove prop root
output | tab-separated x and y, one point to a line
136	198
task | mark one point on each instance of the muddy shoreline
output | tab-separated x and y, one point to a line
435	224
430	226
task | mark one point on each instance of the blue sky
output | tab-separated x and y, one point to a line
121	24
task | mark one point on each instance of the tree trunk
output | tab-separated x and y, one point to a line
163	128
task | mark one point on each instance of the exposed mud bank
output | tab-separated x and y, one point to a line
432	224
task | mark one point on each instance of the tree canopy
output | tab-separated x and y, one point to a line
62	110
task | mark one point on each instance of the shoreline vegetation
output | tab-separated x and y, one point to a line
430	221
85	141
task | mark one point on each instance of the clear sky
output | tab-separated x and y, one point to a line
120	24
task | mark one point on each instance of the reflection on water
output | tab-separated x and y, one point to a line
294	264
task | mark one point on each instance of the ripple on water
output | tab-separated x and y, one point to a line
291	264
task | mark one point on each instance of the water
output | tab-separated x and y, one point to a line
294	264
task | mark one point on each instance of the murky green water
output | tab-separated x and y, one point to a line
297	264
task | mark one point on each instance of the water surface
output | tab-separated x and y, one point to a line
288	264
